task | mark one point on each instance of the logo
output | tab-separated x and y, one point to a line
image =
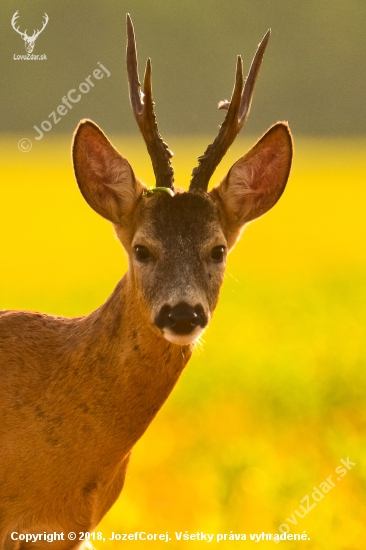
29	41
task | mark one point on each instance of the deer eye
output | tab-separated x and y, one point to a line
218	253
141	253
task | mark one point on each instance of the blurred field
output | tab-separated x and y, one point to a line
276	397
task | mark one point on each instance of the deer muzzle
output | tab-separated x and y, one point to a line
182	323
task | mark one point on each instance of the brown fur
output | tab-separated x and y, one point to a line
76	394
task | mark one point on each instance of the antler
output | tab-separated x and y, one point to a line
237	113
37	32
13	21
143	109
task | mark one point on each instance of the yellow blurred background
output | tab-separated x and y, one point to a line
275	398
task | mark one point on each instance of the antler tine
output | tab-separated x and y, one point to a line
13	21
132	70
143	110
238	110
251	80
38	32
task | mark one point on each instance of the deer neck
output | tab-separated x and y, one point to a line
133	368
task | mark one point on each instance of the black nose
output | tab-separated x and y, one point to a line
182	318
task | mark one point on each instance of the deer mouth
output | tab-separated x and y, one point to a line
182	339
181	324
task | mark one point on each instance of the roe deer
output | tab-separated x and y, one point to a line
77	394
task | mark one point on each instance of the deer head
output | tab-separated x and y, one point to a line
177	242
29	40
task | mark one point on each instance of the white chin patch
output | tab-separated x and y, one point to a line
182	339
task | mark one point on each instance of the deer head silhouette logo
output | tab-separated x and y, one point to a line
28	40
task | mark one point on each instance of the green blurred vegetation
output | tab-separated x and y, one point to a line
275	397
313	74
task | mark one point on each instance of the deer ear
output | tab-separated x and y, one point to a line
256	181
105	178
